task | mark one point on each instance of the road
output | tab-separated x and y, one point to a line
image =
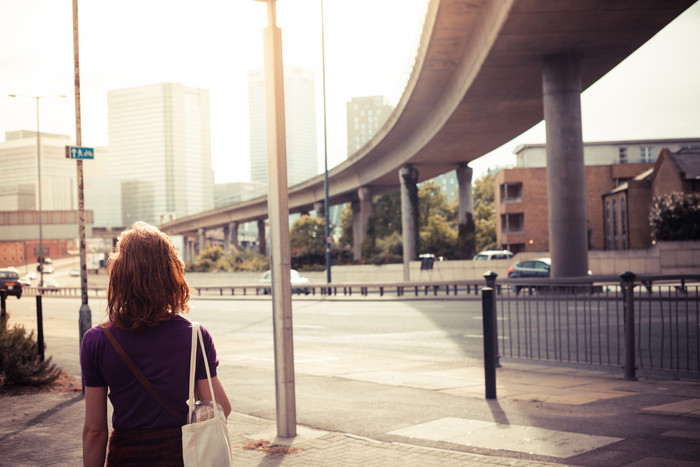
348	354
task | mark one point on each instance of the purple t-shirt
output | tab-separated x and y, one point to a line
162	353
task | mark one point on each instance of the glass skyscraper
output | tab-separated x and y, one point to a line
160	150
300	125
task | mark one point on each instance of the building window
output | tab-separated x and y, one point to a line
512	222
623	223
623	155
646	154
511	192
614	220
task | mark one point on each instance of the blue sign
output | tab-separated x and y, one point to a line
76	152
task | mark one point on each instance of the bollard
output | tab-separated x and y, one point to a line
628	309
490	278
488	323
39	327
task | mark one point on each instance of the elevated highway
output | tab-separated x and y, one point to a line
477	83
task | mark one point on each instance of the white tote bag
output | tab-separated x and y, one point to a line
204	443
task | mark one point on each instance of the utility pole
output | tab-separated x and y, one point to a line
84	315
278	212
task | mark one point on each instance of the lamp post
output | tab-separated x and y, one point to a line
325	154
40	254
278	209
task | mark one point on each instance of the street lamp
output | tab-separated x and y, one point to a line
38	182
325	155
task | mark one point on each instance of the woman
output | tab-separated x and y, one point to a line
146	297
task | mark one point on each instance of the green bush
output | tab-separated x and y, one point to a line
675	216
215	259
19	360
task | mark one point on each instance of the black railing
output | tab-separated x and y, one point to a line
649	323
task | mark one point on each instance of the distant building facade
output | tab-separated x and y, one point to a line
521	193
230	193
19	171
626	208
365	116
300	125
160	151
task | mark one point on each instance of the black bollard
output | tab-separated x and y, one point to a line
488	322
39	327
628	307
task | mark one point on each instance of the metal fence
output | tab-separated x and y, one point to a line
648	323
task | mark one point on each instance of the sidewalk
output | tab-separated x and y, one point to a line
659	425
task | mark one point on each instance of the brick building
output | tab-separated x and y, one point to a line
521	192
626	224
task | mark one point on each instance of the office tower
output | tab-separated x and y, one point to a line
18	172
160	150
300	121
365	115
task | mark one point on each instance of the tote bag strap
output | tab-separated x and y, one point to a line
197	336
139	375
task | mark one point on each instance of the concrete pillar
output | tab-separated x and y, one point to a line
233	235
465	217
189	248
201	240
262	244
227	238
408	177
566	187
320	208
361	212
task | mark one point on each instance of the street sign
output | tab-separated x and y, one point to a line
76	152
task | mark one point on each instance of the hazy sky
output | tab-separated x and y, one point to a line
213	43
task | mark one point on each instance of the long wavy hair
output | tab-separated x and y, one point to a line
146	279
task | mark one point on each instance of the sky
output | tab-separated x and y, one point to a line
369	47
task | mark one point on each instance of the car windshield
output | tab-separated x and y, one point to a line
9	275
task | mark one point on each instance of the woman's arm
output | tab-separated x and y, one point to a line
202	387
95	427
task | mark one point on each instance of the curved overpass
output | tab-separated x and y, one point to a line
476	84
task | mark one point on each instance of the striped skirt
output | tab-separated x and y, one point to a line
132	448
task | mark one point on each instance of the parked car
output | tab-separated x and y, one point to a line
26	281
296	279
51	283
31	275
531	268
493	254
75	272
9	282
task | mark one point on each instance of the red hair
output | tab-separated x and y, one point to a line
146	279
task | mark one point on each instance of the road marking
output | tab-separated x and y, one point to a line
340	313
309	326
491	435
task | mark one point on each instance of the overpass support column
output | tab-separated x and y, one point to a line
232	238
227	239
465	218
566	188
361	212
189	250
408	177
262	244
201	240
320	208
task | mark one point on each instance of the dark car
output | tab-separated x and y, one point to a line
530	268
9	283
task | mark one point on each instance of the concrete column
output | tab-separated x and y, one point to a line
262	244
233	235
465	217
201	240
227	238
408	177
566	187
361	212
189	248
320	208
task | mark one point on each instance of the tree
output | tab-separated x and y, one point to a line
485	212
346	220
438	221
675	216
307	238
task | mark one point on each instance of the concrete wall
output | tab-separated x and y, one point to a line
662	258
